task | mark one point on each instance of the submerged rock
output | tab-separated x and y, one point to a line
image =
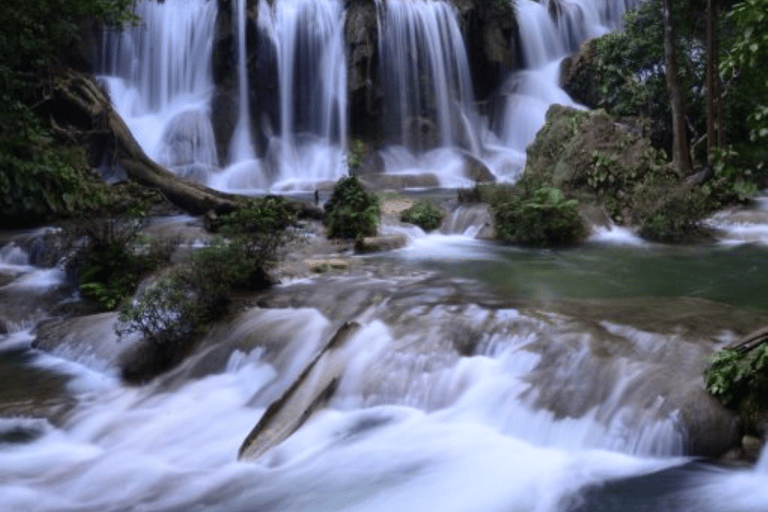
382	243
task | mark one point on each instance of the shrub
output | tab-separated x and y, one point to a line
109	257
671	212
351	212
424	214
541	218
740	380
172	311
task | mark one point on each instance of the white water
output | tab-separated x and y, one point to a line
546	40
241	147
160	80
743	224
410	428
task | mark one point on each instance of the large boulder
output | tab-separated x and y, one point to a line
611	162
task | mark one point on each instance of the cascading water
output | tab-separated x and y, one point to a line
312	76
241	147
549	31
429	112
427	85
159	77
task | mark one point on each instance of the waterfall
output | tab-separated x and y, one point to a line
160	79
427	83
549	31
312	76
241	147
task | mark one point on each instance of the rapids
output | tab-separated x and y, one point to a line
482	378
455	393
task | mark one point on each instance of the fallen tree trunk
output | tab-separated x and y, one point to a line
750	341
82	109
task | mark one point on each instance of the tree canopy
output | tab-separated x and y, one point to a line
41	173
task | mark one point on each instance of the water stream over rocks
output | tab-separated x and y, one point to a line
459	391
478	377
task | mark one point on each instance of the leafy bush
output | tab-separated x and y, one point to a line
351	212
541	218
172	311
109	257
740	380
42	177
424	214
671	211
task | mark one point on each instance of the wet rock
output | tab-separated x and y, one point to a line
474	220
382	243
90	340
476	170
365	94
320	266
491	40
400	181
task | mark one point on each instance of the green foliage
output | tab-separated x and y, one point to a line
351	212
744	60
355	155
173	310
669	211
110	257
624	71
40	176
163	314
541	217
424	214
740	380
504	8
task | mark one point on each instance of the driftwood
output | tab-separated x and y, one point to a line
750	341
83	109
308	393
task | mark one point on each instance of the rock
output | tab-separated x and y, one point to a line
309	392
491	41
578	76
400	181
321	266
751	447
373	163
89	340
476	170
395	206
365	93
382	243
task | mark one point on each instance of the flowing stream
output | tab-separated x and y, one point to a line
482	378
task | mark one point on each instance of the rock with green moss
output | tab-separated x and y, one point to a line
610	162
538	218
424	214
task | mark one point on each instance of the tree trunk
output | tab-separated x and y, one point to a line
711	82
680	157
86	111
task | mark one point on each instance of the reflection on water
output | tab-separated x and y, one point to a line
733	275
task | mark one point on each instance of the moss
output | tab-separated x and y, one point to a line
591	154
539	218
424	214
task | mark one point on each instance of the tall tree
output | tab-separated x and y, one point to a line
680	156
714	129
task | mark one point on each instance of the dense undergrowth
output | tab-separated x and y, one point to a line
174	309
740	380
